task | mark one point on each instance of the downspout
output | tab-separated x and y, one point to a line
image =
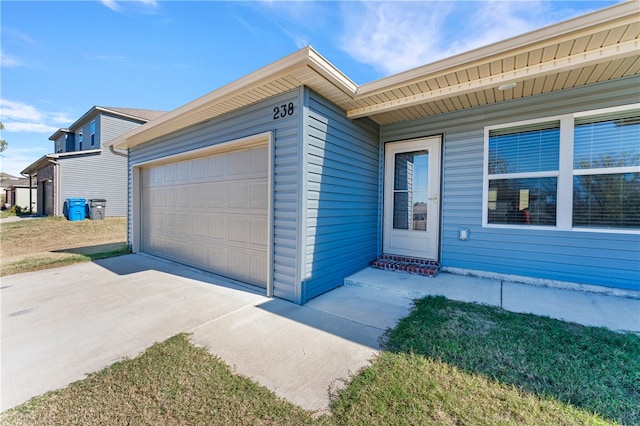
120	153
30	194
56	192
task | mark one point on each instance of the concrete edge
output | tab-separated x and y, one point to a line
541	282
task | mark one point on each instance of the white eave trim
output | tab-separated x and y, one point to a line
191	113
627	10
306	57
585	59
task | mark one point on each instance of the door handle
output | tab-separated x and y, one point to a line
434	198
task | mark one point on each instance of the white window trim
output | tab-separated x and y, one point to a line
565	172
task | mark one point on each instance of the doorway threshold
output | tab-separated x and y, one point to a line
412	265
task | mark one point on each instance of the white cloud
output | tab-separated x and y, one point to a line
21	117
8	61
142	5
397	36
393	36
15	159
111	4
17	126
10	110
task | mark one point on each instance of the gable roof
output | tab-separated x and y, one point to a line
140	115
597	47
43	161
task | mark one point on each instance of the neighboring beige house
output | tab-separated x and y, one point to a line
23	194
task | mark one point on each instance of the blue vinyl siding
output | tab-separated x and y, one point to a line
342	189
597	258
252	120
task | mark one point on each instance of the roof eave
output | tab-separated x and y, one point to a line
33	168
171	121
625	10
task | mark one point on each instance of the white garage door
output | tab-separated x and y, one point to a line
210	212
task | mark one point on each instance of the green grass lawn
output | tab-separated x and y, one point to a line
446	363
590	368
50	242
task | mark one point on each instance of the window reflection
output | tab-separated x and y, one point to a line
410	185
523	201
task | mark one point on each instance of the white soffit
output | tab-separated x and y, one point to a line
596	47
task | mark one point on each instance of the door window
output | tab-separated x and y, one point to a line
410	184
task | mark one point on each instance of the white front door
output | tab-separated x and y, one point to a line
412	198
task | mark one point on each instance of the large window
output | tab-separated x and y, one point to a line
523	167
574	171
606	162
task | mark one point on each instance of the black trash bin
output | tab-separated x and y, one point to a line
97	209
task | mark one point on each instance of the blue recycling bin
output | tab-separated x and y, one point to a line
76	208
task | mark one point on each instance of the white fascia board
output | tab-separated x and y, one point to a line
33	167
174	120
627	11
611	53
74	153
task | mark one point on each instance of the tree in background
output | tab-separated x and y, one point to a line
3	144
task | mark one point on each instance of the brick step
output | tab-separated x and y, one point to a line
412	265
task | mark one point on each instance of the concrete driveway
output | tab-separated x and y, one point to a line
61	324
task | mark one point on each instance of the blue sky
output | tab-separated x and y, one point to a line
59	59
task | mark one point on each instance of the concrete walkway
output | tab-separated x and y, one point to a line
619	312
61	324
19	218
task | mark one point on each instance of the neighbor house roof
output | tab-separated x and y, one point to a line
141	115
597	47
22	183
32	168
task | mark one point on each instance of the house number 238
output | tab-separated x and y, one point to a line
283	110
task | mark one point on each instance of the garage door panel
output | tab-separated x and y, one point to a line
239	229
183	171
169	173
210	212
156	222
169	197
259	196
217	195
260	160
216	166
259	232
198	196
239	163
239	195
183	224
199	168
170	221
218	227
182	197
200	255
200	224
218	258
258	266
